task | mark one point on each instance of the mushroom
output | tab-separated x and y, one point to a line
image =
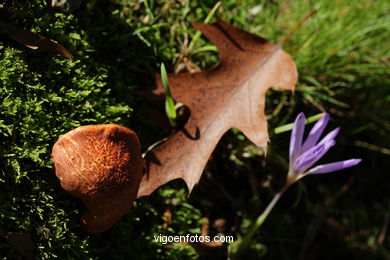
102	165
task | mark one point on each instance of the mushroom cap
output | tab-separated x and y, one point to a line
98	161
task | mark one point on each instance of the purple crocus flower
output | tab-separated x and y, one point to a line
304	155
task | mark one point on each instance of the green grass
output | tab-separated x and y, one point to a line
342	55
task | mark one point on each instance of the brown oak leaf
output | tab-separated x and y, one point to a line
229	95
33	40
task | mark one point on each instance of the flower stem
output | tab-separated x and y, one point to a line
242	244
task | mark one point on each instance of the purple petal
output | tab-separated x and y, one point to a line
332	167
311	156
332	135
297	136
315	132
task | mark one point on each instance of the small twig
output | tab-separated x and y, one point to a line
372	147
382	233
222	190
298	25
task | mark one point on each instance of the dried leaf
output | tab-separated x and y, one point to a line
67	5
33	40
232	94
20	241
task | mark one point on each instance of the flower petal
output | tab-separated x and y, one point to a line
297	136
315	133
332	135
311	156
332	167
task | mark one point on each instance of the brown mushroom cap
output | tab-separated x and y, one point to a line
102	165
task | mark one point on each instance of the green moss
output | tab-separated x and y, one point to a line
42	97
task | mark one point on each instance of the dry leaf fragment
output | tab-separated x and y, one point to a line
231	94
33	40
67	5
20	241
